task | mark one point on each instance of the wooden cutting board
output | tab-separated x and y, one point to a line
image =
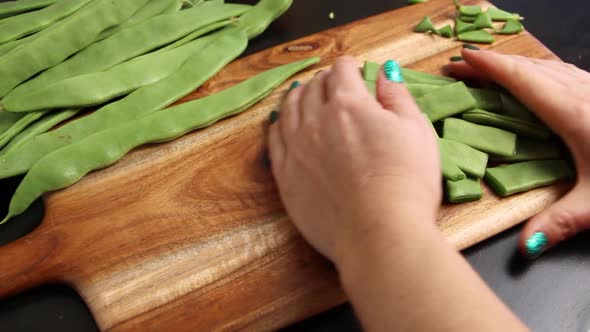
191	235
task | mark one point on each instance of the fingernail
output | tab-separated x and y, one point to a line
273	117
393	71
471	47
456	58
294	85
535	244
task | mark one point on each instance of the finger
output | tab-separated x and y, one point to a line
392	94
290	118
345	79
560	221
464	71
313	97
277	149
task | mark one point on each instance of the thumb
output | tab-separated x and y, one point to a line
392	94
560	221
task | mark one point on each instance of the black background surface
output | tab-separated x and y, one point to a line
550	294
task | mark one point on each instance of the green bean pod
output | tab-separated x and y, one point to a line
529	149
487	99
133	41
463	191
39	127
66	166
511	179
483	21
64	39
97	88
477	36
470	10
501	15
514	108
447	101
515	125
467	159
18	127
416	77
19	26
224	46
461	26
12	8
7	119
194	35
487	139
151	9
418	90
257	19
10	46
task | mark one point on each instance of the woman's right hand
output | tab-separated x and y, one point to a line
559	94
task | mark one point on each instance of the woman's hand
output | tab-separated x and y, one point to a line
353	170
559	94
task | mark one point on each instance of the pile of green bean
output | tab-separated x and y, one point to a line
474	24
148	53
484	134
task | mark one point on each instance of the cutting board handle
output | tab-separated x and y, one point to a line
28	262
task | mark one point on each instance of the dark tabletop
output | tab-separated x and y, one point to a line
549	294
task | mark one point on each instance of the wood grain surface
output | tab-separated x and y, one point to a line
191	235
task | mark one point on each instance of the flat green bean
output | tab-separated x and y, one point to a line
66	38
19	26
7	119
501	15
446	31
41	126
97	88
511	27
467	159
413	76
133	41
18	127
66	166
531	149
511	179
151	9
466	190
372	87
477	36
447	101
487	99
514	108
461	26
10	46
196	34
487	139
371	71
512	124
470	10
259	17
467	19
425	25
419	90
12	8
223	47
483	21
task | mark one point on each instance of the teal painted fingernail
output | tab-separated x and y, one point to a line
456	58
294	85
273	117
393	72
536	243
471	47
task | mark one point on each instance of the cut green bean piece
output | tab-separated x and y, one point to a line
483	21
19	26
464	157
372	87
468	19
530	149
477	36
447	101
425	25
133	41
224	46
450	171
511	179
515	125
487	139
41	126
97	88
514	108
413	76
487	99
511	27
371	71
461	26
66	166
467	190
501	15
419	90
446	31
470	10
11	8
